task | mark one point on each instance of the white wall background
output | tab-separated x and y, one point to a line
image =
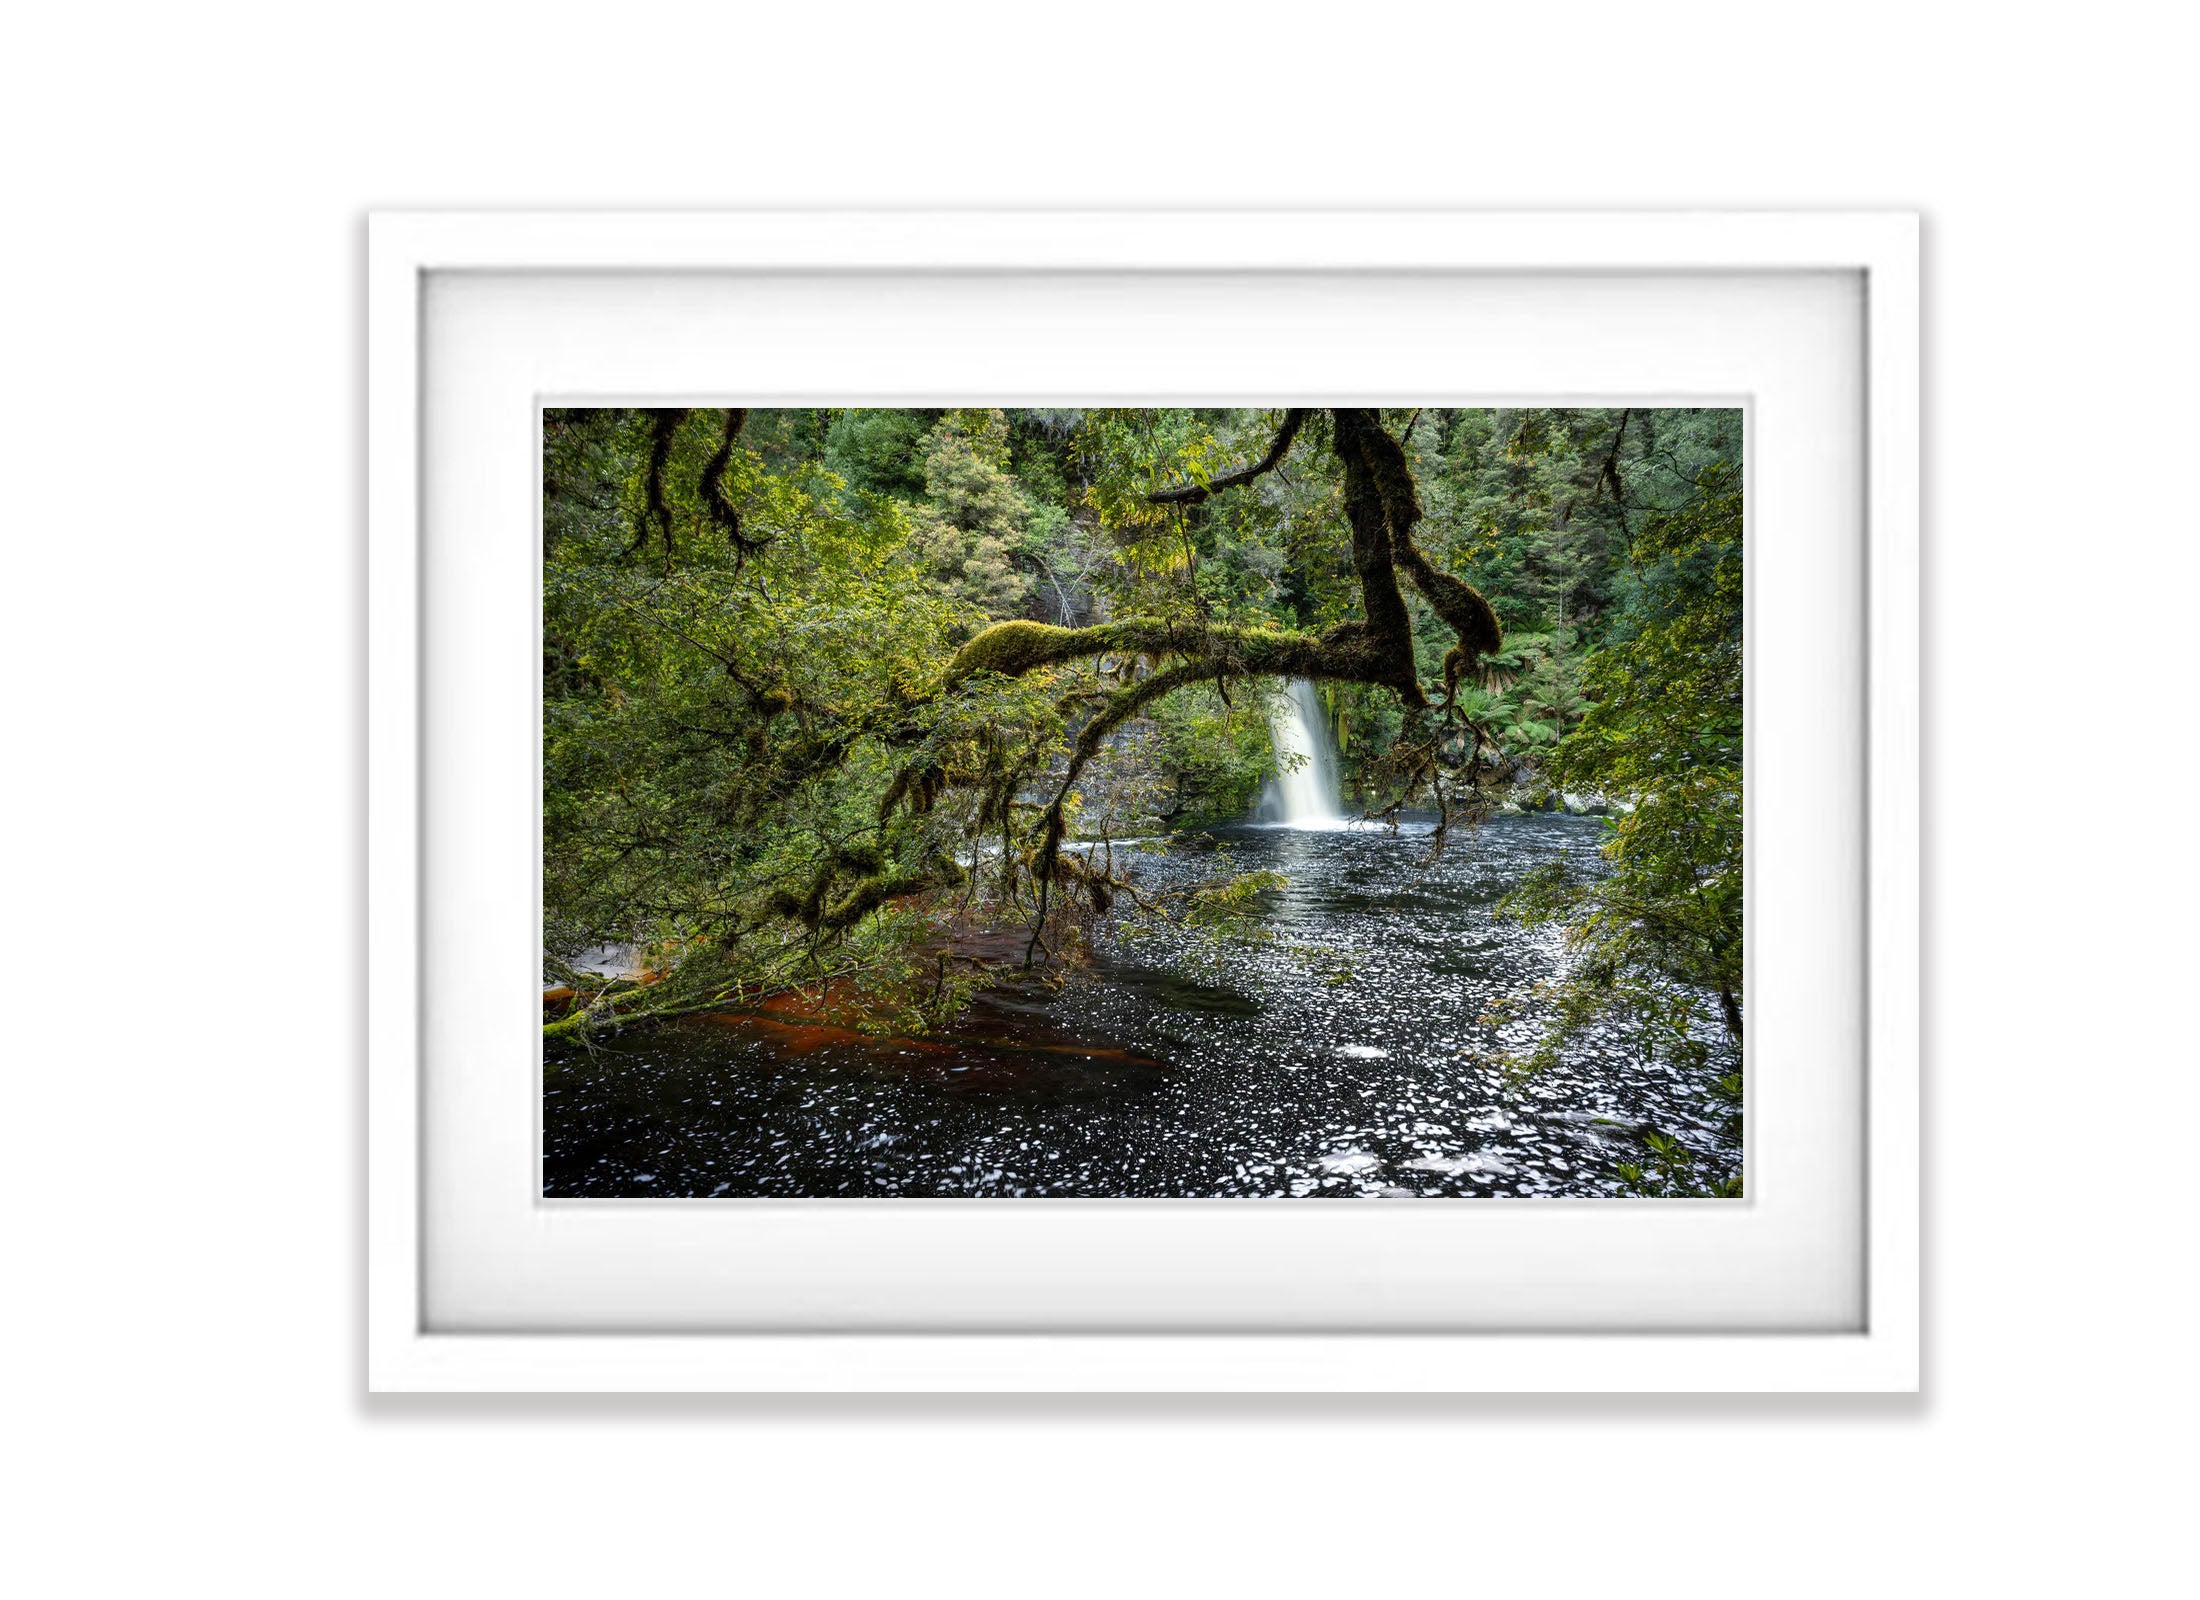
181	387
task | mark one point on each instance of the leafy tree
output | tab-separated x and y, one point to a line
739	661
816	680
1659	936
974	528
879	451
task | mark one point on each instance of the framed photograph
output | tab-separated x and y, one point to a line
1143	801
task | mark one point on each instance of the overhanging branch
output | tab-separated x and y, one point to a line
664	425
716	505
1192	493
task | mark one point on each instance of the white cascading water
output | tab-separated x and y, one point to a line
1305	794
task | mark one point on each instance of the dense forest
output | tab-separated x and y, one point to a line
825	690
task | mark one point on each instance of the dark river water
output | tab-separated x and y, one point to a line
1346	1057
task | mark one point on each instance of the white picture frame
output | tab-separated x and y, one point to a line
408	1350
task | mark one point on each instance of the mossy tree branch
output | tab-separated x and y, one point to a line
853	880
716	503
1121	707
1382	508
664	426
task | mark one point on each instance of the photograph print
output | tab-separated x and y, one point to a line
1165	802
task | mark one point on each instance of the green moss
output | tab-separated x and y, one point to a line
871	893
920	785
1013	649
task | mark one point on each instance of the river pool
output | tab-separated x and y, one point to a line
1347	1056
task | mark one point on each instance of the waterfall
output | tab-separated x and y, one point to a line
1306	797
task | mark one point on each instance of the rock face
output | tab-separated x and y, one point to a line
1528	793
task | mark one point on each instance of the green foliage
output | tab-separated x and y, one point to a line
975	524
879	451
1657	942
1233	904
719	726
1225	909
1544	506
1668	1171
1217	755
804	696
